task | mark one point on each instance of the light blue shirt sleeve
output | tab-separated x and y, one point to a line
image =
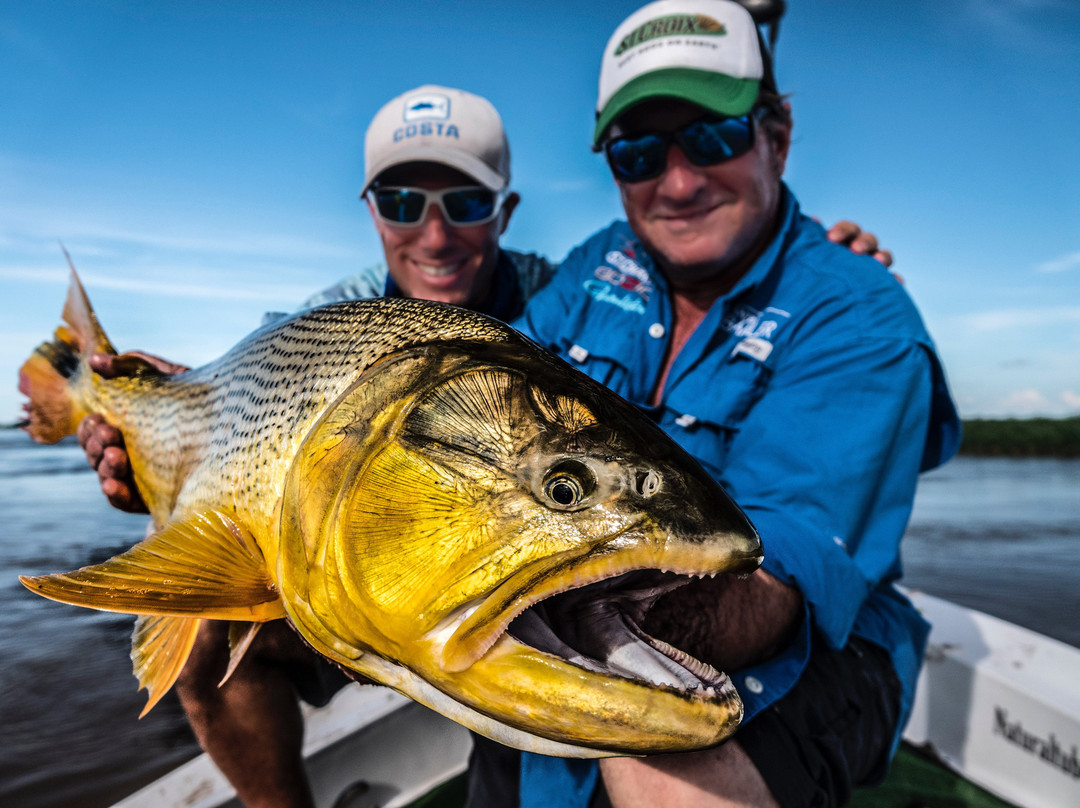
830	495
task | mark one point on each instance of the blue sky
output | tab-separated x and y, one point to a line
201	161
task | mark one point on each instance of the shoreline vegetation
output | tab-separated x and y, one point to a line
997	437
1021	437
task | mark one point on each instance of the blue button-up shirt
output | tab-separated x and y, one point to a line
811	392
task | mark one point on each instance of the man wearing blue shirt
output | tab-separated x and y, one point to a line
798	373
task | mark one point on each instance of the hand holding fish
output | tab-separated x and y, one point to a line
104	444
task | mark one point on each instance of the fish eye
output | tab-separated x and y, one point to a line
569	483
563	490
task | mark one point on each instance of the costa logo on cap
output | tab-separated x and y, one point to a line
430	107
436	124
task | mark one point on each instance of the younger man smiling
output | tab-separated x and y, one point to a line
437	184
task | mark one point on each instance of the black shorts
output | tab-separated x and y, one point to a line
832	732
318	683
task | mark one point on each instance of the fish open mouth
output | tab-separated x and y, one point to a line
598	627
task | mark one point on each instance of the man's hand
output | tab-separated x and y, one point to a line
104	444
729	622
858	241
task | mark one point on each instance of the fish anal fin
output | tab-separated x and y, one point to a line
240	637
205	565
159	648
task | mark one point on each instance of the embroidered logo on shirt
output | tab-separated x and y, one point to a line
622	282
756	328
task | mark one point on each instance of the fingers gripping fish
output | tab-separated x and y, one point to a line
430	500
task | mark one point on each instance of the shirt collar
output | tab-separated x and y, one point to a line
768	259
502	302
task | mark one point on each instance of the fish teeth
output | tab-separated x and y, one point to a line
702	670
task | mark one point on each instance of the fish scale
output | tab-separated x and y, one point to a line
265	392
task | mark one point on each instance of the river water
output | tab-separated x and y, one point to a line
999	535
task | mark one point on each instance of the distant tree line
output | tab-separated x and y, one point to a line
1027	437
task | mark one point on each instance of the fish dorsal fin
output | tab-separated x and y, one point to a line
205	565
240	637
86	333
159	648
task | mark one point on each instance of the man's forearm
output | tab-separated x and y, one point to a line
729	622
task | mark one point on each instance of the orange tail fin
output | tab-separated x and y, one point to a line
47	377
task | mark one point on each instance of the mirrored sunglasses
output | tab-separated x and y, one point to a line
705	142
407	207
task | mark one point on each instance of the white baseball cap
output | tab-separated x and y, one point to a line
707	52
439	125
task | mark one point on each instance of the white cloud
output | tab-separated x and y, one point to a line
1025	402
82	235
214	291
1016	24
1071	399
1002	319
1062	264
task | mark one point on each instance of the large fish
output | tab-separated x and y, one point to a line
431	501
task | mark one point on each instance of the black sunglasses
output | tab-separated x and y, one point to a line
705	142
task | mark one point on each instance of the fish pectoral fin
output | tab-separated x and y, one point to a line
240	637
159	648
205	565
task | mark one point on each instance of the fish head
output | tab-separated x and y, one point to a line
484	528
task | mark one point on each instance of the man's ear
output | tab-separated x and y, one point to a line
507	211
779	132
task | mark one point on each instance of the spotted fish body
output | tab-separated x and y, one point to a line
212	435
420	492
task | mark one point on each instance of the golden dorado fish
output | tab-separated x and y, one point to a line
431	500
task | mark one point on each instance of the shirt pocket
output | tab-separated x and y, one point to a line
705	409
610	372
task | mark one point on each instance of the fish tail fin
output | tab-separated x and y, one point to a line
47	377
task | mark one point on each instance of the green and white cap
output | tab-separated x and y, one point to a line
439	125
706	52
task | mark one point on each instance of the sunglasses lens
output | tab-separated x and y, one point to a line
399	205
707	143
469	205
636	159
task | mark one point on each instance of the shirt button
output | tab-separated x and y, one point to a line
577	353
753	684
656	330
